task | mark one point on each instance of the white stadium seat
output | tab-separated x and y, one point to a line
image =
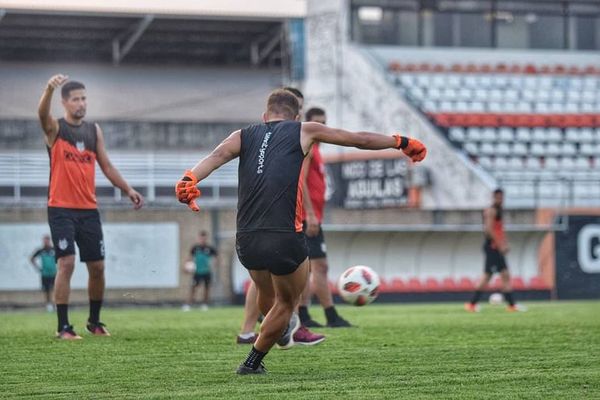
523	134
515	163
554	135
456	134
553	149
506	134
538	135
588	149
474	134
471	148
503	149
500	163
582	163
567	163
551	163
485	162
487	149
533	163
568	149
537	149
488	134
519	149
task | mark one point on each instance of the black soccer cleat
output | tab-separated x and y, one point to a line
244	370
311	323
339	322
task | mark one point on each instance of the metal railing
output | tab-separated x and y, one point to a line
24	174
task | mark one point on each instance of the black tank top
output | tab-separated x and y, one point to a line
269	193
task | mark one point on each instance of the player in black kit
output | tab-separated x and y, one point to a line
269	240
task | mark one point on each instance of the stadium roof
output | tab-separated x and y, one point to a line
188	8
209	32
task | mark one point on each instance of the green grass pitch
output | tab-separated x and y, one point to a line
396	352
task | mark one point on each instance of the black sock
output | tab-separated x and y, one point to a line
95	306
476	297
509	298
331	314
303	314
62	311
254	358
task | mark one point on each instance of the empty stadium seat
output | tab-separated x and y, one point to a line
506	134
541	119
486	162
519	149
456	134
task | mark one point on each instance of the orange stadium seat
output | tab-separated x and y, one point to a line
397	285
449	284
465	284
517	283
537	283
414	285
432	285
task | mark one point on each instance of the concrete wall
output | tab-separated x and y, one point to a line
189	224
142	93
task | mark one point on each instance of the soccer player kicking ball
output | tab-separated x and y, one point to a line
495	248
74	146
269	240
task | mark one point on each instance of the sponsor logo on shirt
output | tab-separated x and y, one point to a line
261	153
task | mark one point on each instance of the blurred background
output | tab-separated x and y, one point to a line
504	94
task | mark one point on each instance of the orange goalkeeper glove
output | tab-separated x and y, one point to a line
414	149
186	190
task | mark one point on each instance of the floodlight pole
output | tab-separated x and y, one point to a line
120	52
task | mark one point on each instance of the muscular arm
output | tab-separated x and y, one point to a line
314	132
112	173
49	124
222	154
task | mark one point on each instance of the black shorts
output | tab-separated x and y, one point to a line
47	283
69	226
494	260
281	253
316	244
199	278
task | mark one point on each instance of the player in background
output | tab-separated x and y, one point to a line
204	257
44	262
251	309
74	146
314	205
495	248
269	239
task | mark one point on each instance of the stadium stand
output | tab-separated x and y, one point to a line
536	129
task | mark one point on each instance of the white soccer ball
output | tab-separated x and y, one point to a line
189	267
496	299
359	285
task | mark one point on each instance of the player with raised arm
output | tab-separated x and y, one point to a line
269	240
74	146
495	248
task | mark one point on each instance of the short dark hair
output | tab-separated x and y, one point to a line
313	112
498	191
294	91
203	233
68	87
283	102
